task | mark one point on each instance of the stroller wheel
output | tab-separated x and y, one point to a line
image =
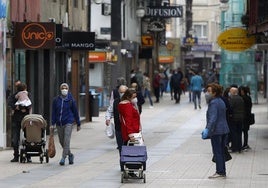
122	177
144	178
22	156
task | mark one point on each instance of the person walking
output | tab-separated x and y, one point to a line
112	112
244	92
175	83
18	113
140	98
129	119
236	119
196	86
64	115
147	88
216	128
156	86
129	116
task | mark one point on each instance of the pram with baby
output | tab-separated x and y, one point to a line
133	160
34	141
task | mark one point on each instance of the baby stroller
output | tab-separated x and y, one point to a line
34	141
133	159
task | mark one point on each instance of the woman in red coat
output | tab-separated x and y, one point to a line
129	116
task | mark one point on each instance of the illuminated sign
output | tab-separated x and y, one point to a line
236	40
147	41
95	57
34	35
166	59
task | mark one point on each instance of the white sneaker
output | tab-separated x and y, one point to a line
216	175
151	107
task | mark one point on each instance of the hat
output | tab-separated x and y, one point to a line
64	84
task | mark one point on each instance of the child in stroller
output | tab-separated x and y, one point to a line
34	142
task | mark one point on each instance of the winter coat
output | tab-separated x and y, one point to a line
64	111
216	117
129	119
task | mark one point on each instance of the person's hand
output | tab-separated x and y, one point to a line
205	134
78	128
107	122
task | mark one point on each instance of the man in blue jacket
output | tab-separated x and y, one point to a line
64	115
196	87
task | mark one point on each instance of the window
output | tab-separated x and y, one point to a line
200	30
75	3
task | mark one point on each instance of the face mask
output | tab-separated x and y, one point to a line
229	94
208	97
134	101
121	94
64	92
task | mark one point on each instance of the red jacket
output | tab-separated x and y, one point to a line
129	119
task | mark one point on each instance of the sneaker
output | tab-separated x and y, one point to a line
216	175
62	162
151	107
245	148
71	159
15	159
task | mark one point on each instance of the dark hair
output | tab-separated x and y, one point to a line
216	88
246	90
128	94
21	87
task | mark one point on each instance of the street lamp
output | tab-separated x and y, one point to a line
140	11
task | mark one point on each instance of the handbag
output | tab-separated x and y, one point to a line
227	155
252	119
109	130
51	146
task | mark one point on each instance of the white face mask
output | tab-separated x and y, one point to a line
64	92
121	94
134	101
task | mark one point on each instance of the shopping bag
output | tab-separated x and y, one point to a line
51	146
109	130
252	119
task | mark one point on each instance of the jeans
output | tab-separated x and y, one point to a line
196	94
15	138
147	94
218	143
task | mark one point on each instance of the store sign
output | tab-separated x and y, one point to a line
236	40
164	11
156	26
34	35
190	41
79	40
147	41
95	57
166	59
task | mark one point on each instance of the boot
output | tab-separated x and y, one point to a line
15	159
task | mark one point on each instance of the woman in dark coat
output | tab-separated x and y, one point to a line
244	92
